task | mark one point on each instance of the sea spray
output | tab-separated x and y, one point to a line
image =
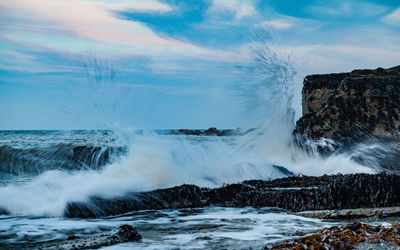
157	161
153	162
266	90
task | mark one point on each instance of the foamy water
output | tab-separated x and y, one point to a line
203	228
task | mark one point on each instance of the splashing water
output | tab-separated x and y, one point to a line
157	161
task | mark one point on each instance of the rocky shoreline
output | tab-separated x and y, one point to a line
295	194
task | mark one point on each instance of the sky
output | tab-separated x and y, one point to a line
86	64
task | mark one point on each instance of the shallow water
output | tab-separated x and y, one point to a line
213	227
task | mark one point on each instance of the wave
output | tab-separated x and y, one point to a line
62	156
155	161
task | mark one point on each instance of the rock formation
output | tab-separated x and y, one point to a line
291	193
352	107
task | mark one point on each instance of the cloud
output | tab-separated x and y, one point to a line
239	9
323	58
70	26
89	19
279	24
347	9
393	18
138	5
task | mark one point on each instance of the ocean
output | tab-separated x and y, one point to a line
41	171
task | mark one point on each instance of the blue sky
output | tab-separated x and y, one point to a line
71	64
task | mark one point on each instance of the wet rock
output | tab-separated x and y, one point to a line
346	214
350	108
126	233
357	106
185	196
291	193
283	170
346	237
3	211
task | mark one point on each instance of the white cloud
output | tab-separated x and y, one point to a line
138	5
322	58
348	8
393	18
279	24
240	9
70	26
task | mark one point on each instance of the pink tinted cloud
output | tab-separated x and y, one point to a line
96	21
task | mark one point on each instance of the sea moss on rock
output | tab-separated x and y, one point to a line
345	237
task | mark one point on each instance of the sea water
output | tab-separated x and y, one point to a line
41	171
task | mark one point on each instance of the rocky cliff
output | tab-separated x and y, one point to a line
352	107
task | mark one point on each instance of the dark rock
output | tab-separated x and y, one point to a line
291	193
347	214
363	104
210	132
3	211
350	108
283	170
185	196
126	233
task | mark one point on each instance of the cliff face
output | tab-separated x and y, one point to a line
348	107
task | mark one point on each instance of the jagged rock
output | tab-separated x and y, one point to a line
351	107
291	193
347	237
